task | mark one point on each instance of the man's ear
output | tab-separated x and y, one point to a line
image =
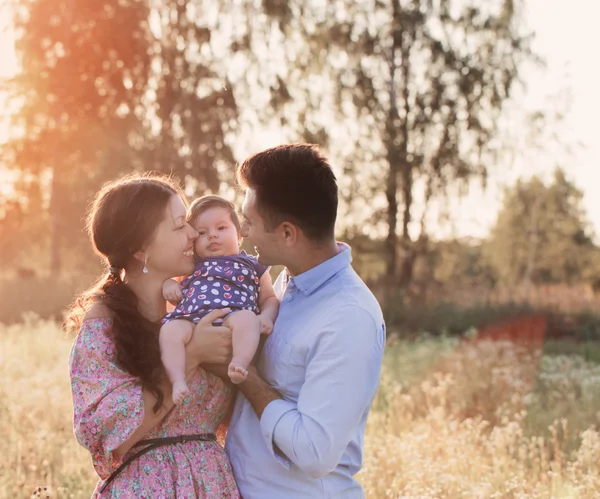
289	232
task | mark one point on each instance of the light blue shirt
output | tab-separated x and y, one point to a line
324	358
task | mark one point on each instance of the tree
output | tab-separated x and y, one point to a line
409	91
110	86
541	235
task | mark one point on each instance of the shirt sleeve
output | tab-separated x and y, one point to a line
108	403
342	376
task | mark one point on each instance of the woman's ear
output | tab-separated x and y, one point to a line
140	256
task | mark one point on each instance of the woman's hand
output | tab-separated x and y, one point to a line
209	344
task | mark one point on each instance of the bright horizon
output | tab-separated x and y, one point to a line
567	39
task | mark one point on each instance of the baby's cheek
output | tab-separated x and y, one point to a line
198	246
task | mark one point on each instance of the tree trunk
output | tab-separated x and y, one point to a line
55	261
532	246
409	254
391	241
394	164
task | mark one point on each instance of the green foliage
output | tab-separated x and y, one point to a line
541	234
112	86
415	89
447	319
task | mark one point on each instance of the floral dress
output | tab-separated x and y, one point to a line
108	407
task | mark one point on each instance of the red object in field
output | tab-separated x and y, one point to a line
527	330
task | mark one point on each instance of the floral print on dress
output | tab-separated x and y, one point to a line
108	407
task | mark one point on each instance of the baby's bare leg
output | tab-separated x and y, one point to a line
245	330
174	336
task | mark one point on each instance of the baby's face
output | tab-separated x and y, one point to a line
217	234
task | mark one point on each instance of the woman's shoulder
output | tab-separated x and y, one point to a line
98	310
94	336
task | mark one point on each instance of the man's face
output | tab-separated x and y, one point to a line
265	243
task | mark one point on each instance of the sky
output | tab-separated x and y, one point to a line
568	39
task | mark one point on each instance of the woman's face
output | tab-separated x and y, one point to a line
171	252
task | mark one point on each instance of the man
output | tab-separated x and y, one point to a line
298	429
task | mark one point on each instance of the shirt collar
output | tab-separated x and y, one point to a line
309	281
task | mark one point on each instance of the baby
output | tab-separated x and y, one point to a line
224	277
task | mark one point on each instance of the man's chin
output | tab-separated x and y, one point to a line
261	259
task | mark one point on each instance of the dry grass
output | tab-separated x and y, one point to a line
452	420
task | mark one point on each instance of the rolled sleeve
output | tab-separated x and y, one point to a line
271	416
342	375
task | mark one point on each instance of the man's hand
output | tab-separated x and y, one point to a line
266	324
172	292
220	370
257	391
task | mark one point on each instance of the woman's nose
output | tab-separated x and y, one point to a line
193	233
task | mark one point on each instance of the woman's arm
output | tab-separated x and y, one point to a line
151	418
208	344
112	412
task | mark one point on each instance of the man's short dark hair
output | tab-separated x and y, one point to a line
296	183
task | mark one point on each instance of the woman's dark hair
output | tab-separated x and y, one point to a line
293	182
205	203
123	218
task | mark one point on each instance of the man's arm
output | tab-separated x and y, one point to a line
342	376
258	392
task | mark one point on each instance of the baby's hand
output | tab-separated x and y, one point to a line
266	324
172	291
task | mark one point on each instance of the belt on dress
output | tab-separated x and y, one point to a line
153	443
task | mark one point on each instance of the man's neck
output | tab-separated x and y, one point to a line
312	257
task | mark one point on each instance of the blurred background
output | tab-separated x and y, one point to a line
462	132
465	140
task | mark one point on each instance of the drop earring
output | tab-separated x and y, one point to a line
145	269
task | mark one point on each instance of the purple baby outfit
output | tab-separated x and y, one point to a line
219	282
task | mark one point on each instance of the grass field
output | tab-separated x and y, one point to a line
453	419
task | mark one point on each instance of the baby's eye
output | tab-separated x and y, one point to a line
202	232
222	227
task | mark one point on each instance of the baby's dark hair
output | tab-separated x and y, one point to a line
205	203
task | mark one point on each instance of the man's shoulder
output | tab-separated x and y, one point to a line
347	301
354	292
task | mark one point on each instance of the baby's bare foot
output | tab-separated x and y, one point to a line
180	392
237	373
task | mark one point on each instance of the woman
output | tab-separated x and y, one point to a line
141	444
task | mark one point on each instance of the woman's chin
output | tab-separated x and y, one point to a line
187	268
